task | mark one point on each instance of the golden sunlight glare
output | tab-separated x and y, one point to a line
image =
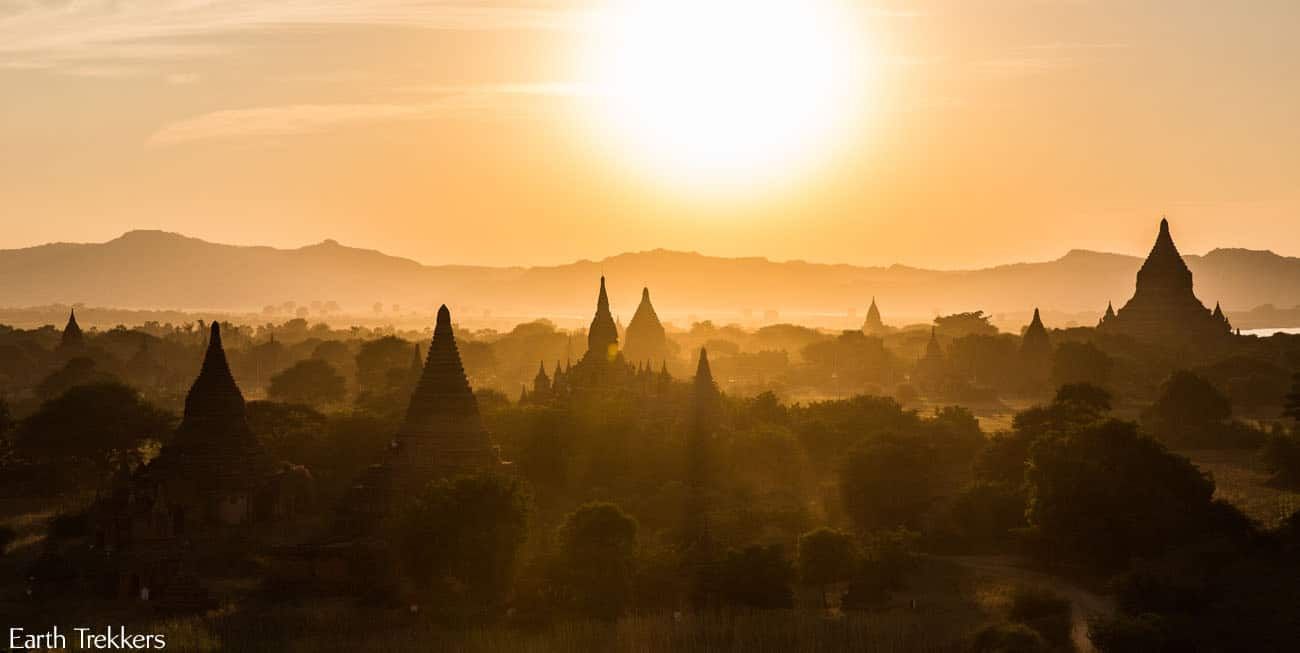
726	92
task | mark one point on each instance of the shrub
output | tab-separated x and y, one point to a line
7	536
756	577
1281	457
1124	634
1008	638
1044	611
68	525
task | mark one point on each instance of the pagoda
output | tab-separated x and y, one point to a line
1164	308
602	336
603	366
214	467
646	339
1036	351
72	337
929	371
443	433
873	325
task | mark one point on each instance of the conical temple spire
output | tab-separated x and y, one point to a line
72	336
873	325
1035	340
541	383
602	337
214	402
443	386
1164	269
646	339
703	373
443	432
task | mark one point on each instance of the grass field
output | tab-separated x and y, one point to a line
1239	478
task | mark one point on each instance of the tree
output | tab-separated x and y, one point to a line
1080	362
1292	409
597	559
1105	494
887	481
1281	457
826	556
313	382
101	425
1084	395
377	358
964	324
756	577
6	418
458	540
77	371
289	431
1190	410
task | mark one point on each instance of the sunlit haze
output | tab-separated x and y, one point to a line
939	133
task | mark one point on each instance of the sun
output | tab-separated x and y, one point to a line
725	92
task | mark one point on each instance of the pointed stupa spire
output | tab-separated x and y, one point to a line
1218	311
72	335
703	373
932	348
541	383
443	385
443	432
1164	308
1036	341
214	403
645	336
1164	268
1110	310
602	337
873	325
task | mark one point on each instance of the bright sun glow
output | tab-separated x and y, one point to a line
726	92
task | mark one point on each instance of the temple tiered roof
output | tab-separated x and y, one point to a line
214	403
1164	308
873	325
646	339
1035	341
602	337
72	335
443	433
214	453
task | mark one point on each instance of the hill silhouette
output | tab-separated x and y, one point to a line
155	269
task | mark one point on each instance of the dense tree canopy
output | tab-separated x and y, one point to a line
458	539
597	559
1105	493
102	425
313	382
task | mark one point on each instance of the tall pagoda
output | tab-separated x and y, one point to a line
1164	308
646	339
873	325
602	336
214	466
72	337
443	433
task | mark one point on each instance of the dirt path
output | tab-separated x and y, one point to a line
1084	603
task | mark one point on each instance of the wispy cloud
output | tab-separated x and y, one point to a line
289	120
47	34
1043	57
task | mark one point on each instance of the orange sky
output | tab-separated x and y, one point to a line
449	132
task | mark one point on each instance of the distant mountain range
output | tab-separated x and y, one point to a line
155	269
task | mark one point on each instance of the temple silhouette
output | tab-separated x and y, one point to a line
1164	309
203	498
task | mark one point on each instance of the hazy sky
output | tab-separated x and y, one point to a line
462	131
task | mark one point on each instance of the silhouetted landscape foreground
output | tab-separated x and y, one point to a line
288	484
